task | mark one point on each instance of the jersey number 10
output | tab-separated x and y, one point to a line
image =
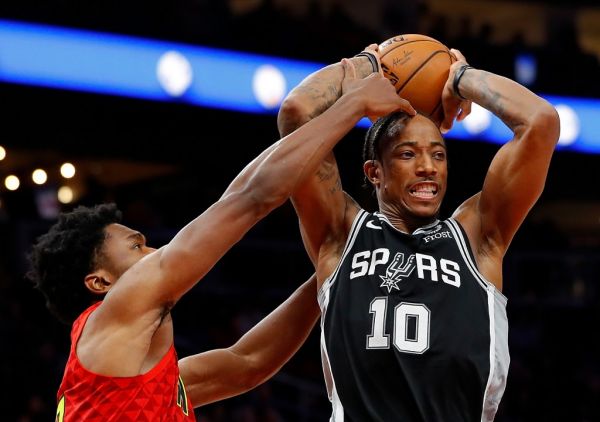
411	326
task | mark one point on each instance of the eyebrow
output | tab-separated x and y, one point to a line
415	143
137	235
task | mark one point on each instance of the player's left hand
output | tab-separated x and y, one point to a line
454	106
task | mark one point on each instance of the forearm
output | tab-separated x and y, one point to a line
242	178
517	174
315	94
265	184
274	340
298	155
519	108
260	353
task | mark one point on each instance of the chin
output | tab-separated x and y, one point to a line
427	212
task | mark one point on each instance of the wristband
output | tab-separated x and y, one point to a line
371	58
457	76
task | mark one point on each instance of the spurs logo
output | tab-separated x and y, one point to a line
395	272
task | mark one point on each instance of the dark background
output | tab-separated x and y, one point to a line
178	159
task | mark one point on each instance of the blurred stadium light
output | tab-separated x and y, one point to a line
55	57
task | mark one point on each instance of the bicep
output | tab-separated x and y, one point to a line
513	184
323	208
156	282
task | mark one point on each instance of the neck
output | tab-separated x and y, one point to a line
404	221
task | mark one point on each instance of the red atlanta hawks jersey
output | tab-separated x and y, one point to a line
158	395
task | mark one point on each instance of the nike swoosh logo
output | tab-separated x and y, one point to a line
373	226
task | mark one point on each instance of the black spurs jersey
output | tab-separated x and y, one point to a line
411	331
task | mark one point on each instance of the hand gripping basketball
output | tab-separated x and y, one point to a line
455	105
418	66
375	92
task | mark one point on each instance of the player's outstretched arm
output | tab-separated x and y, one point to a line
324	210
265	184
257	356
517	174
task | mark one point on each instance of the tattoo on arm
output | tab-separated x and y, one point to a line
321	91
322	94
329	176
493	100
337	187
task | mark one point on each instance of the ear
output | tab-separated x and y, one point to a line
372	170
99	282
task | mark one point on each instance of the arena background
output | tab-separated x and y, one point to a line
165	162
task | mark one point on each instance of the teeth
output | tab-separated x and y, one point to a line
425	190
424	194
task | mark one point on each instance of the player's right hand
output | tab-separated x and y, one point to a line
454	106
376	93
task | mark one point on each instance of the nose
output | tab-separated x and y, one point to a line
426	166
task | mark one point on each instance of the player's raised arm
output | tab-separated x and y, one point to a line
517	174
324	210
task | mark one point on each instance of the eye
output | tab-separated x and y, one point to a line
439	155
137	246
405	155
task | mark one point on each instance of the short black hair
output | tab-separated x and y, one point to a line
379	133
61	258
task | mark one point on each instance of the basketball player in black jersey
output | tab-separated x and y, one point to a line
413	319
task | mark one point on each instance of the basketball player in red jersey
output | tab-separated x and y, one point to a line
119	292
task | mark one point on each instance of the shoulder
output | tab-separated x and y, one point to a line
80	322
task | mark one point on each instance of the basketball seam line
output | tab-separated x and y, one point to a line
419	68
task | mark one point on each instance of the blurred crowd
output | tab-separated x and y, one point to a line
324	30
550	280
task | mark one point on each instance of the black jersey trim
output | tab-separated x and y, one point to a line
356	225
323	298
337	407
464	245
492	352
426	227
465	253
489	293
383	218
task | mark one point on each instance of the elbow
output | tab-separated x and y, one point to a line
252	375
293	113
546	123
253	379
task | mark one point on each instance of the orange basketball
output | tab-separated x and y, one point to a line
418	66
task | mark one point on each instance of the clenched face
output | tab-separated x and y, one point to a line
413	171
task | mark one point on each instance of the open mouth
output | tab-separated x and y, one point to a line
424	190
